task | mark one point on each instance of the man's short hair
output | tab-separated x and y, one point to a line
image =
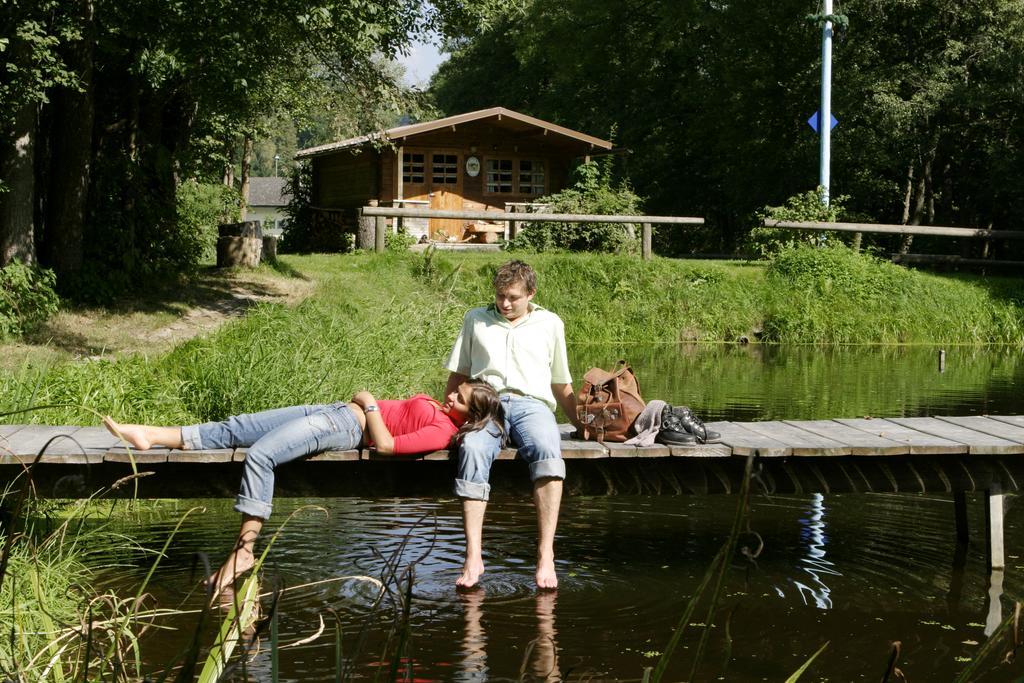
515	272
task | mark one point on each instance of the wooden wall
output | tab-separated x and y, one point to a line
346	179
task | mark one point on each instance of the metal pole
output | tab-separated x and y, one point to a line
825	117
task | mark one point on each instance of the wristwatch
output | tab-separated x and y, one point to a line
371	409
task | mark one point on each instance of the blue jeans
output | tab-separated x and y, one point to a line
532	429
275	437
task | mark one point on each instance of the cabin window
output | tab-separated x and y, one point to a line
499	176
531	177
412	168
444	169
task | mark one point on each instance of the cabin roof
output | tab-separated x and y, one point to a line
508	118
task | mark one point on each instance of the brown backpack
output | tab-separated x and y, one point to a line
608	403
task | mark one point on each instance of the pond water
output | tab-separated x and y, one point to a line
856	571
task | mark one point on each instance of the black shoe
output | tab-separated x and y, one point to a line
672	437
694	425
672	431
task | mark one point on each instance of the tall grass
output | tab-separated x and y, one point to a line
385	323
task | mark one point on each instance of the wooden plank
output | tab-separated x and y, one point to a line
918	442
120	454
702	450
437	456
800	441
7	430
96	438
31	438
201	457
621	450
372	454
986	425
1017	420
349	455
744	441
577	449
889	228
977	443
858	441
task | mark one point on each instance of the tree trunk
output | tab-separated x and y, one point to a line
246	164
908	194
17	224
920	197
71	145
930	189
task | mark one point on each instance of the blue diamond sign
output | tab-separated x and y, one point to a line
813	121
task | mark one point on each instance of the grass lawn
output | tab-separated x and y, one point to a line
386	323
155	321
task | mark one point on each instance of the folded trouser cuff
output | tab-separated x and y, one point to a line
552	467
252	507
472	490
190	438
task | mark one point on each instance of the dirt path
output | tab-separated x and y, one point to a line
154	323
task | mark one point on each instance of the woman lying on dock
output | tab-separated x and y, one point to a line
415	425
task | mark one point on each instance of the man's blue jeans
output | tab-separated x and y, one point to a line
275	437
531	428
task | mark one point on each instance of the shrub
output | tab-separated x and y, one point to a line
303	233
398	241
27	298
806	206
200	208
592	193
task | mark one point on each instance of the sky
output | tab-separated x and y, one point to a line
421	64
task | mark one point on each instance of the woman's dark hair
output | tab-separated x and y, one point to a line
483	410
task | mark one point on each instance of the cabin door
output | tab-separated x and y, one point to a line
444	179
435	176
446	200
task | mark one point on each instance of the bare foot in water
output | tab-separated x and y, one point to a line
546	577
238	563
472	570
132	434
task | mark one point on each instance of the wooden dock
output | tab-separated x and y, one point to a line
952	455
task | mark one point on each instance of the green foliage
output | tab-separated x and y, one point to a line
806	206
834	295
384	322
593	192
201	207
27	298
305	231
398	241
711	100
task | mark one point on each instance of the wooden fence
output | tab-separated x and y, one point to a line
934	230
380	215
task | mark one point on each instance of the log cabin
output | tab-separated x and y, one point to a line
490	159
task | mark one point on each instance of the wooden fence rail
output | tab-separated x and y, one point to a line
380	213
934	230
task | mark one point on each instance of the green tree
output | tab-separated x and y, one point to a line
712	101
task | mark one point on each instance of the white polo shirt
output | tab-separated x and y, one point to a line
525	358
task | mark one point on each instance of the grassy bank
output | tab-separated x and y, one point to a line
386	323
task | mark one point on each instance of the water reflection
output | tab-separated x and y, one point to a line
857	570
754	382
814	563
540	655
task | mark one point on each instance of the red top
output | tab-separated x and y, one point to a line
417	424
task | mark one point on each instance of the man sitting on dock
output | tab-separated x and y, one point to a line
519	349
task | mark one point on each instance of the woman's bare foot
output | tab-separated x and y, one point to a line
472	570
546	577
238	562
136	435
